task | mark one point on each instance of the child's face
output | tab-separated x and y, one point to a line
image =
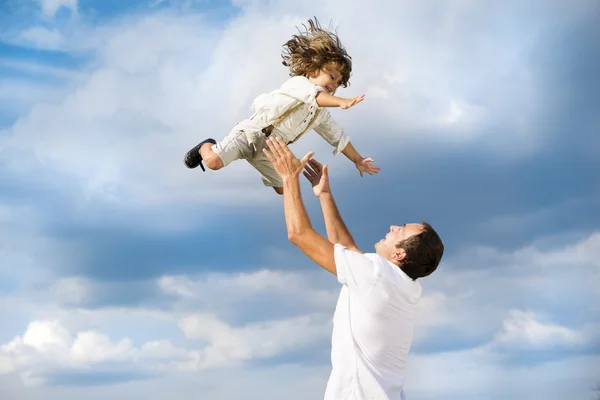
329	78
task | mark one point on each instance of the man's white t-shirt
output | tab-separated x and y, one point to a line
372	327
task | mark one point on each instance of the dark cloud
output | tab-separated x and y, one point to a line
459	193
447	340
529	356
50	57
229	243
566	69
317	355
94	377
460	189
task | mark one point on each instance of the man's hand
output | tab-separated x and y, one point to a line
347	103
285	162
318	177
364	165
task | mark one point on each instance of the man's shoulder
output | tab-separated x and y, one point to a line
351	251
377	258
396	277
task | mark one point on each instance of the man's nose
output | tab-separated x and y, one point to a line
394	228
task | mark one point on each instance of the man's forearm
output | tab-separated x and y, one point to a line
337	232
296	217
350	152
300	231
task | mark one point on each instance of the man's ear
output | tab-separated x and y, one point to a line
399	256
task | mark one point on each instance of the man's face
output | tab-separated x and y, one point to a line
386	247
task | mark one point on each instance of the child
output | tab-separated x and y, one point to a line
318	65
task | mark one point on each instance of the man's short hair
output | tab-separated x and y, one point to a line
423	252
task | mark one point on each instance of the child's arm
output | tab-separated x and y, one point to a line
351	153
333	133
301	89
362	164
325	99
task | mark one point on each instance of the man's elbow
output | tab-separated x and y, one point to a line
296	237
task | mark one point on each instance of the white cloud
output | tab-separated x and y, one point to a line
50	7
153	92
7	365
159	83
18	96
229	345
481	292
471	303
162	350
478	373
219	288
73	290
248	282
523	330
163	82
42	38
93	347
47	347
44	336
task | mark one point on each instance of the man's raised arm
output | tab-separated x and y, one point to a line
300	230
337	232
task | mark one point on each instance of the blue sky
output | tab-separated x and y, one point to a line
125	272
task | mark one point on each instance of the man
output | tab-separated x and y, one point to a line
376	310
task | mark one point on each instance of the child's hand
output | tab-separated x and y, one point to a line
364	165
347	103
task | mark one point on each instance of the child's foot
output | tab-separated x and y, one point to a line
193	158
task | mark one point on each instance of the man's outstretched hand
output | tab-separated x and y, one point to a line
318	177
285	162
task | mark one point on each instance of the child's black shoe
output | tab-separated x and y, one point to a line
193	158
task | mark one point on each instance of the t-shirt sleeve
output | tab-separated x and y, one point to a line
356	271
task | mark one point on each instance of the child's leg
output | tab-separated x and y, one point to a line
270	177
233	147
210	158
218	155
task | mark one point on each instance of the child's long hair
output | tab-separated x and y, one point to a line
313	49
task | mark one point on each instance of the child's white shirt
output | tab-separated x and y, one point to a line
300	93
